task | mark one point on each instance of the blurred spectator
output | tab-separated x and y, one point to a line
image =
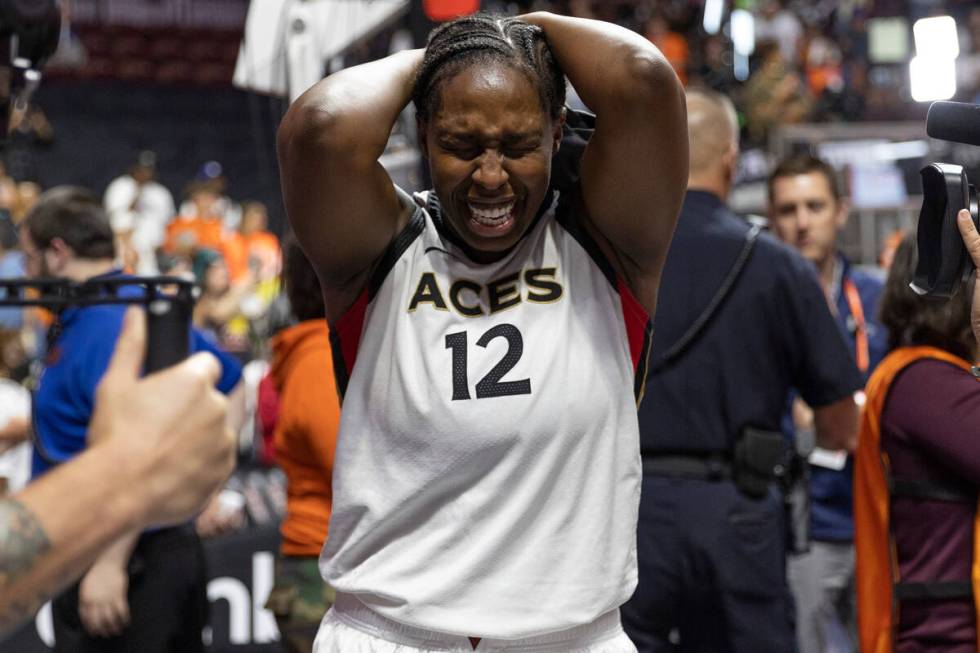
15	415
29	132
774	95
714	70
305	438
12	266
253	246
807	211
139	209
8	190
774	22
670	43
28	193
198	226
219	309
822	63
211	174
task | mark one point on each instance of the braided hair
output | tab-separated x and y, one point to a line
484	38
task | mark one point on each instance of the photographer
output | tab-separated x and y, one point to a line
917	469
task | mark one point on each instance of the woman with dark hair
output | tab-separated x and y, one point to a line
917	473
488	334
304	437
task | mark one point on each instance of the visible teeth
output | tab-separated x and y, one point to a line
495	213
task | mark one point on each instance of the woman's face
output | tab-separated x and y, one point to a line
216	278
489	146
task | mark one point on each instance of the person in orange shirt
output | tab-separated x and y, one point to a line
305	438
201	230
253	245
671	44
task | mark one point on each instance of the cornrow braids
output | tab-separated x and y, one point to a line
481	39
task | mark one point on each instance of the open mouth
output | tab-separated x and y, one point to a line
492	220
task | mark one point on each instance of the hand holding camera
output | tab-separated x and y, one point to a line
971	239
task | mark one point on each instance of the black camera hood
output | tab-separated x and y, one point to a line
943	259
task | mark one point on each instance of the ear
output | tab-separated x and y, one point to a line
556	133
730	161
60	251
421	135
843	211
60	246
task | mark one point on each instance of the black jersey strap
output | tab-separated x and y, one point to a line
906	488
697	327
398	246
934	590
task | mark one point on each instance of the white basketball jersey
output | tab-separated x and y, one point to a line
487	473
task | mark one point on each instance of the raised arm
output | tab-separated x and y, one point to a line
634	170
339	199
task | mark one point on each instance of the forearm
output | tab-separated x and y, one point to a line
607	64
836	424
16	430
353	110
118	552
52	531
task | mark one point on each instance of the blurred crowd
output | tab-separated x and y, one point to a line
223	245
812	61
818	62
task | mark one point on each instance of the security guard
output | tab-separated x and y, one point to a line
741	319
807	211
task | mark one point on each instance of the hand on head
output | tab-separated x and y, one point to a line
170	424
971	238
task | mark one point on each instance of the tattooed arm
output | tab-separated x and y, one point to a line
53	530
160	447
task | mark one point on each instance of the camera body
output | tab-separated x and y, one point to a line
943	260
29	32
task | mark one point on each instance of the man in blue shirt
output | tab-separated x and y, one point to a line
806	211
146	592
710	537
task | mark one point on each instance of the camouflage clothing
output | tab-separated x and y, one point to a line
299	599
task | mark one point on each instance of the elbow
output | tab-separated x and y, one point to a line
316	120
649	76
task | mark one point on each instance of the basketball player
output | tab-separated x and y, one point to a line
487	333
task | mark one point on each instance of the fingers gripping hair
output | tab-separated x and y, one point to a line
483	39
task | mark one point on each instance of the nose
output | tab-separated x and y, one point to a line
802	219
490	173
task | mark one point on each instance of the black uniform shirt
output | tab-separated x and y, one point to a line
773	332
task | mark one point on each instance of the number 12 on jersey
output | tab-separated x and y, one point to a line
490	385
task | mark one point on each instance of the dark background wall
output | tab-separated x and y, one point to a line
99	126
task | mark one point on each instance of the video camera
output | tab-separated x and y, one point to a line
28	36
943	260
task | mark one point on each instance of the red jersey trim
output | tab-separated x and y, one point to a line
639	333
345	340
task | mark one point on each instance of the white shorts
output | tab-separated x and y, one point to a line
350	627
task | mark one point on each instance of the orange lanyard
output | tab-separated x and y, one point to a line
860	326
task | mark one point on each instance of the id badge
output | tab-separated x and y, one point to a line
828	459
